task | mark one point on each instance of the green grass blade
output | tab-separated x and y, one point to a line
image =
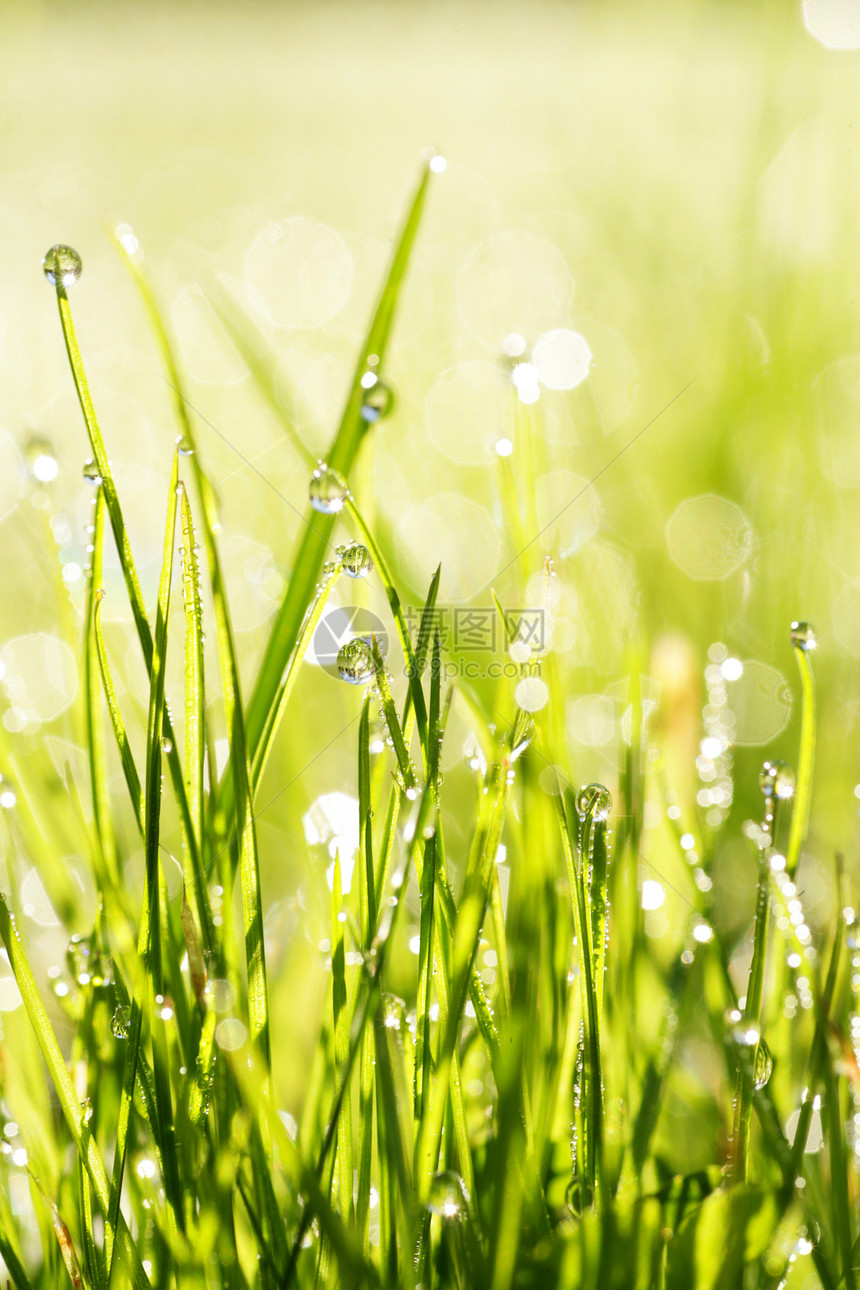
805	764
195	720
121	538
129	768
368	919
94	729
341	1046
406	770
315	540
73	1112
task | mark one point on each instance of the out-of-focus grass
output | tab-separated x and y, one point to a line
676	186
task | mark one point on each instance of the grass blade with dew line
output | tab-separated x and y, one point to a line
803	641
114	511
264	372
367	919
592	1090
240	765
116	1233
195	720
314	540
106	844
340	1017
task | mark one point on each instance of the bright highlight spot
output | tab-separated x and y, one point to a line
835	23
653	894
562	359
504	447
732	669
531	694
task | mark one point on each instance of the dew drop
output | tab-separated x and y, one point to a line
184	446
166	745
355	661
803	636
328	490
594	800
40	456
62	262
377	400
777	779
763	1065
91	473
356	560
120	1021
447	1195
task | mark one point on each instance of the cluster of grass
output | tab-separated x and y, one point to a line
503	1124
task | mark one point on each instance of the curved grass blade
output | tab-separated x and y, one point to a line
805	764
129	769
114	510
341	1046
94	729
314	540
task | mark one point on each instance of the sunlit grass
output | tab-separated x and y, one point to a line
494	1101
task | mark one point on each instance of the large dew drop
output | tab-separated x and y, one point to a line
447	1195
594	800
377	400
355	661
62	263
763	1065
120	1021
777	779
40	457
328	490
91	473
355	560
803	636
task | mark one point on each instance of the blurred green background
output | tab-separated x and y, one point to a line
676	183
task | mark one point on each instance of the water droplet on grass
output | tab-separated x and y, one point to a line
803	636
120	1021
63	263
166	745
447	1195
328	491
378	400
763	1065
777	779
185	446
355	661
91	473
594	800
356	560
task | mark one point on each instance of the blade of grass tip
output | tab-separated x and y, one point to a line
314	540
195	720
266	374
73	1112
803	642
341	1045
240	767
106	845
